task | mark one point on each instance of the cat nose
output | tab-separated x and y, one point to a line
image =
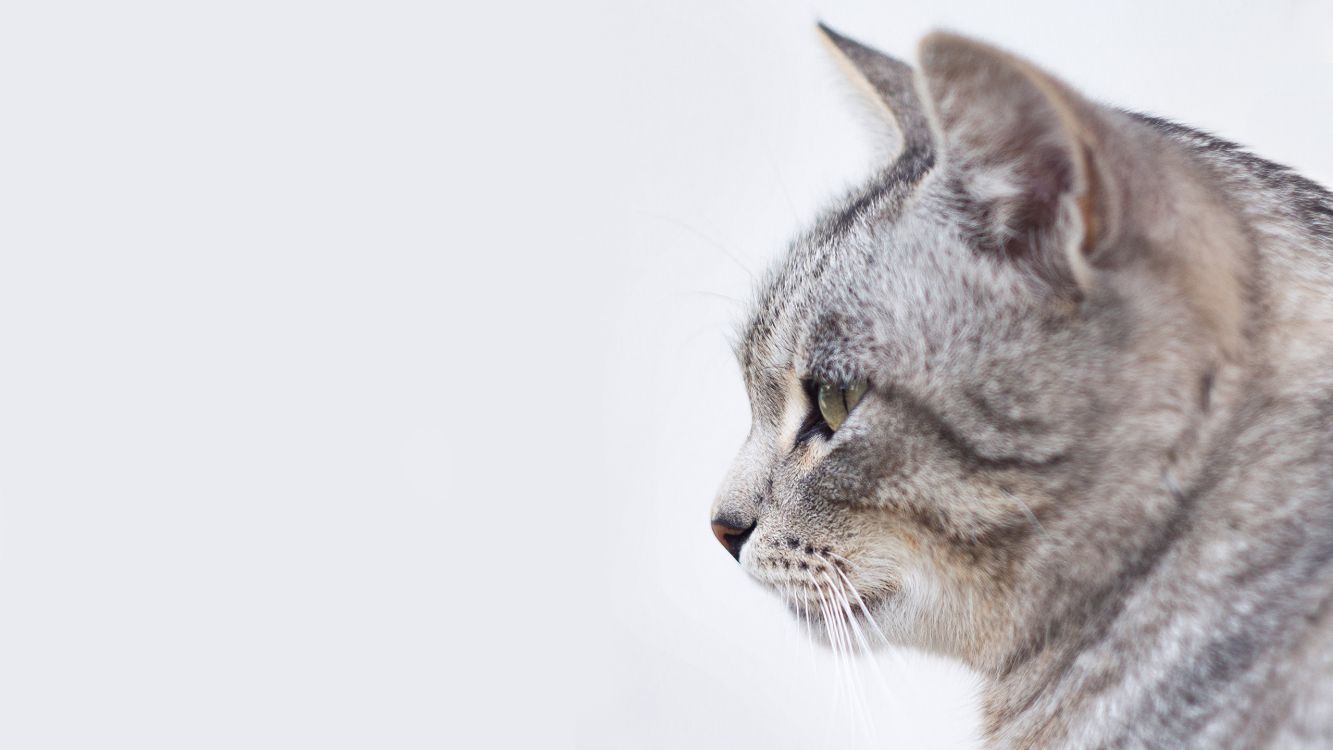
732	533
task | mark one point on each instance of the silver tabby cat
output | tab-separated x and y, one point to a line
1052	394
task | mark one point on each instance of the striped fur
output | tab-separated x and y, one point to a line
1094	462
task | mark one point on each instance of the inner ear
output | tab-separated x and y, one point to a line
1026	149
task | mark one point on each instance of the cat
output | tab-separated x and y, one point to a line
1052	394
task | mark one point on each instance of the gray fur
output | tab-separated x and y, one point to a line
1094	463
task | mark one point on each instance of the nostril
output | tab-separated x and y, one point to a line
732	533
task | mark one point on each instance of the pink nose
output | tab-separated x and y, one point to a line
732	533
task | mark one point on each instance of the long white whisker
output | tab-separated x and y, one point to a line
843	651
803	616
812	599
706	238
893	654
840	558
851	628
847	609
889	692
825	621
862	604
1031	516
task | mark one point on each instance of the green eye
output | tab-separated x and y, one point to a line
853	392
835	401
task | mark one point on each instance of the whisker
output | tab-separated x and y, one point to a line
850	629
718	295
850	634
884	686
835	625
808	628
701	235
862	604
842	559
837	665
1031	516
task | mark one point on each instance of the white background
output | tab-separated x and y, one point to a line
365	372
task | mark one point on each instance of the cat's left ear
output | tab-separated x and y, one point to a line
1030	153
890	85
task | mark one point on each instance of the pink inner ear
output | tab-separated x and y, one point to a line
1011	126
1048	175
1089	204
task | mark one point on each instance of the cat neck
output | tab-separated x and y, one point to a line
1235	573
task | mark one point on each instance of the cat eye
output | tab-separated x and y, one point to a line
836	401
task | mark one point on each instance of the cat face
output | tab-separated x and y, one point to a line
1009	349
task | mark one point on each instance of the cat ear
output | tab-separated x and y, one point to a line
890	85
1029	154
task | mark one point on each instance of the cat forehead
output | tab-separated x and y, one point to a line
824	267
899	286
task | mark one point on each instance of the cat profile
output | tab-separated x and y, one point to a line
1052	394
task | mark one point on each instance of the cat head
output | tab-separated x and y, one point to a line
971	381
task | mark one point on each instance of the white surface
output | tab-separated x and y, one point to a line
366	374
